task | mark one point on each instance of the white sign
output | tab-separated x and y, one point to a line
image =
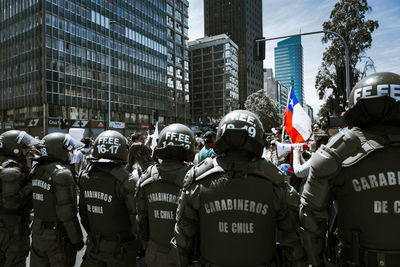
33	123
76	133
117	124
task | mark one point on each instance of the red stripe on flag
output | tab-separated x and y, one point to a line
293	133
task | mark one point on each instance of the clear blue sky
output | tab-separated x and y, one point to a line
285	17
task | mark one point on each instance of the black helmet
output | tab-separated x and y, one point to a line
176	141
56	147
12	142
242	130
375	99
110	146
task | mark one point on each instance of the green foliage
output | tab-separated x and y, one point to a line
265	108
348	19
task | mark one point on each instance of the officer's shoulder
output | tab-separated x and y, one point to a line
10	174
9	163
200	172
121	174
149	176
328	160
266	170
60	174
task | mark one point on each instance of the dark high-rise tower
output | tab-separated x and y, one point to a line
241	20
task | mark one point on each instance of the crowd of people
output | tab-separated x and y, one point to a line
234	197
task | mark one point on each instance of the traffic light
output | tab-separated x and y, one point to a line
64	124
259	49
154	115
341	80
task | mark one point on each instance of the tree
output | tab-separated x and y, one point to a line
265	108
348	19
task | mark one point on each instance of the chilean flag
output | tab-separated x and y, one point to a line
296	121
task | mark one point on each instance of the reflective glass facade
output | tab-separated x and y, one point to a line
58	58
178	60
289	65
213	78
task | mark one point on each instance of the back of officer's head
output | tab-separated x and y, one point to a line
176	142
57	146
375	100
110	147
240	131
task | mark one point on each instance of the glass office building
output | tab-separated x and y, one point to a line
289	65
178	60
60	58
213	78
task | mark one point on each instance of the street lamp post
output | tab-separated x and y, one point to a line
109	72
346	51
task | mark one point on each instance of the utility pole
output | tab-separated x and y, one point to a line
109	73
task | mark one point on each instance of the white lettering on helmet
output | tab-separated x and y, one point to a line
366	91
395	91
382	89
357	94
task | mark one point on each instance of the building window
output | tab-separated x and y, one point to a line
170	82
178	61
178	38
170	22
169	9
170	70
178	27
178	15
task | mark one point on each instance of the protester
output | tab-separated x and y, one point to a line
301	167
207	151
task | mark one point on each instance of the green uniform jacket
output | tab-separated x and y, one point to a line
360	170
231	220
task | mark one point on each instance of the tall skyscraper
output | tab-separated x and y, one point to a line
241	20
178	60
213	77
59	58
289	65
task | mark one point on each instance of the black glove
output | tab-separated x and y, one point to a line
77	246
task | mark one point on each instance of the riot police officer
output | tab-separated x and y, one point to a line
359	168
236	202
158	193
16	197
56	232
107	205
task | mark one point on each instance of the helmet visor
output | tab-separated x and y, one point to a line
27	139
70	143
